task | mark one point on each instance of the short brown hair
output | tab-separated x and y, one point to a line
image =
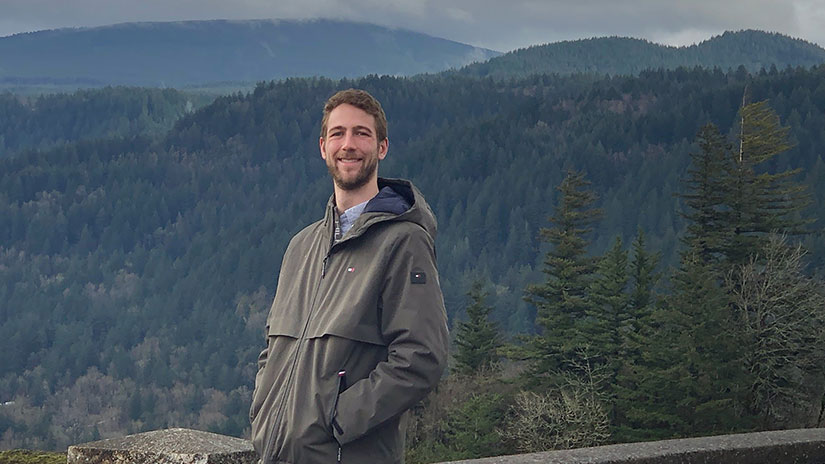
359	99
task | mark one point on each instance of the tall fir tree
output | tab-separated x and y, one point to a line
689	378
643	274
760	202
706	335
561	300
607	318
636	368
477	339
708	228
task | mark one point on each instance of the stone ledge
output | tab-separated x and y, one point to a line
801	446
183	446
172	446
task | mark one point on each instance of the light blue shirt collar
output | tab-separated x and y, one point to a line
349	216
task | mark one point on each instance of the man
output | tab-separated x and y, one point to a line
357	332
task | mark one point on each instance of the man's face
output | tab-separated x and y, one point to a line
350	147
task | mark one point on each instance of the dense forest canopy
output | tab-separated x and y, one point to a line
136	270
40	122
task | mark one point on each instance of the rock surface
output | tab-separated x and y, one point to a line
801	446
183	446
171	446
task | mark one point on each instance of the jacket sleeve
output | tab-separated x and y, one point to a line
259	391
414	326
256	401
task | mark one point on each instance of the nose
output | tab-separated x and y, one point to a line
349	141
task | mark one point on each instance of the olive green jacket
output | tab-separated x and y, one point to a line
356	335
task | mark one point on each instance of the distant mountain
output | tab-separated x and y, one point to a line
619	55
198	52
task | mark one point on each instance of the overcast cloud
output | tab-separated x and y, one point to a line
498	24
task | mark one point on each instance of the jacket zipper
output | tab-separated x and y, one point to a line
269	451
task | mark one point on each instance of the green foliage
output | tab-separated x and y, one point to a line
45	121
635	371
733	201
607	316
461	419
706	364
477	339
643	273
472	429
760	202
561	300
708	230
608	320
31	457
679	386
700	345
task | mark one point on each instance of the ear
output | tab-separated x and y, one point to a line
322	148
383	146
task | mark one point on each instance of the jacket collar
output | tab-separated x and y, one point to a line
397	199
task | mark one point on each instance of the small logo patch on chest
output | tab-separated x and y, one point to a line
351	269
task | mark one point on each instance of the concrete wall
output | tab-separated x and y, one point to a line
182	446
802	446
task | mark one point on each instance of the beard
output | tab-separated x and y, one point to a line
357	180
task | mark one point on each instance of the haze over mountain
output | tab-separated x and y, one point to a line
623	55
197	52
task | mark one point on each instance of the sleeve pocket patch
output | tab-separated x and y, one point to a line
418	277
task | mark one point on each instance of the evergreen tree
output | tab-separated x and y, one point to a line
561	301
607	314
642	270
472	427
706	335
760	202
607	319
689	378
706	197
637	368
477	339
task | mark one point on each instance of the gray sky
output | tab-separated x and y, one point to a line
498	24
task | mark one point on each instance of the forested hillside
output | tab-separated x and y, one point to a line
620	55
186	53
135	273
28	122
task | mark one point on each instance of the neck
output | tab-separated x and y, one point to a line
346	199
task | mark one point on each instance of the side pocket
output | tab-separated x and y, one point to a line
342	385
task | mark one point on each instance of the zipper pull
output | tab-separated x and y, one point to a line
339	454
324	267
342	381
